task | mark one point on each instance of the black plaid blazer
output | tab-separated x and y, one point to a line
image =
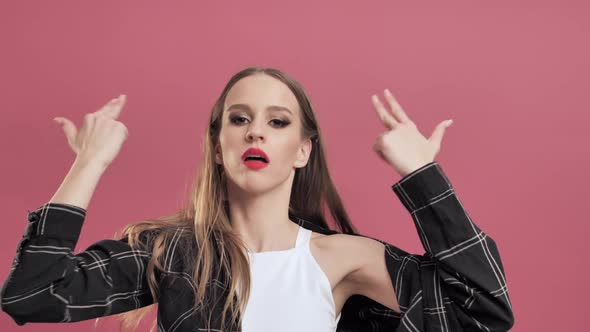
458	284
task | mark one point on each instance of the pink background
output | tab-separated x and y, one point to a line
512	77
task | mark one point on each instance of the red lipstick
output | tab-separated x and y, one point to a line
255	158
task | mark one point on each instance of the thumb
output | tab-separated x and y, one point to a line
69	129
439	131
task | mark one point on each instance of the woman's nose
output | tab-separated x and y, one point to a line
252	135
254	131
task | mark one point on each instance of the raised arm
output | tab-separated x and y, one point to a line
461	276
459	283
47	282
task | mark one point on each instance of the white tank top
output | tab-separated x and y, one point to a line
289	291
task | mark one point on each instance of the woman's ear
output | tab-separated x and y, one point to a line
303	153
218	155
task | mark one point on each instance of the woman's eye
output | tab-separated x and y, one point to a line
232	120
281	123
277	122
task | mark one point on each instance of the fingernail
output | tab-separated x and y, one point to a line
387	92
449	122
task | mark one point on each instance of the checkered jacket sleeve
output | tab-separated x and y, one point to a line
49	283
459	283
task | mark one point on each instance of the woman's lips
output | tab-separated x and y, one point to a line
255	164
254	151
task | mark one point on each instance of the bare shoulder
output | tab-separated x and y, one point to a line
346	254
332	259
346	245
358	263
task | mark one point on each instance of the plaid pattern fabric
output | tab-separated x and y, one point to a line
457	285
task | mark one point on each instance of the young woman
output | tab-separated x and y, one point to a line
251	249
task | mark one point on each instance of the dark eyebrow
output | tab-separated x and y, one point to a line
269	108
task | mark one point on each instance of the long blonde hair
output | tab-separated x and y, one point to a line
209	244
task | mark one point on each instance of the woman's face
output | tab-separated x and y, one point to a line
261	112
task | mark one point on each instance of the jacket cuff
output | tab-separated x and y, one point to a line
419	188
56	220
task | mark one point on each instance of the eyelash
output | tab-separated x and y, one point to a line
282	123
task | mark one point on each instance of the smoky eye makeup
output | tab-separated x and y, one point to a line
281	122
277	122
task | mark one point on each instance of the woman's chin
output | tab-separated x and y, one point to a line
257	188
256	184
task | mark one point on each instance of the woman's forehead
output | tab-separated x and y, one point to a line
261	91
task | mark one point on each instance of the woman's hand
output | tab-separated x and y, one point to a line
101	136
403	146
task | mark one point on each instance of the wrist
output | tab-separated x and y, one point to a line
83	163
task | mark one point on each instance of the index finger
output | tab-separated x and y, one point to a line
114	106
387	119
